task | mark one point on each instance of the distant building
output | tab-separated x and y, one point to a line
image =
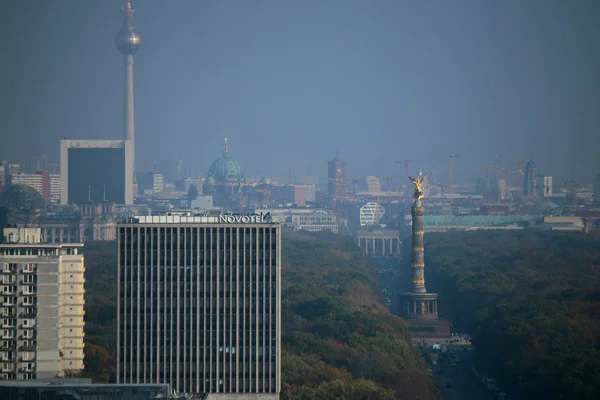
42	306
48	185
293	194
158	183
373	184
547	186
564	223
96	170
202	203
530	179
11	170
502	192
336	187
224	180
370	214
315	221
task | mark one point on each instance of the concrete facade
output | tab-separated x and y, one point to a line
42	306
199	305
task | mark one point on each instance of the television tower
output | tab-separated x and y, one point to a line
128	43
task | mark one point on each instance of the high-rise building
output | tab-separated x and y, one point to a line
530	179
128	42
336	188
48	185
41	306
199	304
96	170
547	186
419	307
502	193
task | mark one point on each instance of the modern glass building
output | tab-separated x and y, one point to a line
200	304
96	170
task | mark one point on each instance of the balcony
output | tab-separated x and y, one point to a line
25	369
9	347
9	271
8	325
27	282
9	314
27	315
7	368
27	347
8	335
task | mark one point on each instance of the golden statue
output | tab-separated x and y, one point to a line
418	182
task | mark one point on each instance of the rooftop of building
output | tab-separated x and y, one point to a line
204	217
478	220
75	382
224	169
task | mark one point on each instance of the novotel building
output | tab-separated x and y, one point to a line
199	303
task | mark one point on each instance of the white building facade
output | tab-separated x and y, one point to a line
42	306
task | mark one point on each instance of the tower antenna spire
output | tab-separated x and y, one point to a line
226	148
128	43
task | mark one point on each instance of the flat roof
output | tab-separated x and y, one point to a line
79	384
236	220
41	245
94	144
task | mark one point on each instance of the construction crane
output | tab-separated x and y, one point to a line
452	156
388	180
354	182
405	162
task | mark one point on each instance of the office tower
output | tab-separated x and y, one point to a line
336	188
419	307
547	186
502	193
128	43
41	306
199	304
530	179
96	170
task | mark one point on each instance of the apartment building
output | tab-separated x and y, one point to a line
41	306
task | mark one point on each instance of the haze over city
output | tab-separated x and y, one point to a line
291	83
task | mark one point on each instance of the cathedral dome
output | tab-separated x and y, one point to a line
23	203
225	169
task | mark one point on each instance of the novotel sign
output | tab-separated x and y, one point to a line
262	218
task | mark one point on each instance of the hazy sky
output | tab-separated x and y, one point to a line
291	82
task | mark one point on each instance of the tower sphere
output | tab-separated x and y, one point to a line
128	42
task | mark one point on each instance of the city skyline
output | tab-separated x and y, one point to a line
232	72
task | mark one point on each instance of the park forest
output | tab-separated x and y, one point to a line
339	340
531	299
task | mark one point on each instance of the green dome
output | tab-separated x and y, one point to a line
225	169
23	203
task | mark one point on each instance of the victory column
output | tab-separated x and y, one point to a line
418	307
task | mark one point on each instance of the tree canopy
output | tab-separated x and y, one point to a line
532	301
339	340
